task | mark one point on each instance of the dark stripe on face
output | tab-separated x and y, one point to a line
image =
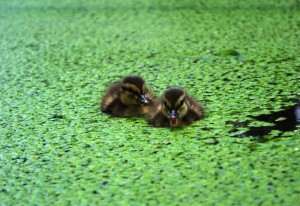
130	90
180	104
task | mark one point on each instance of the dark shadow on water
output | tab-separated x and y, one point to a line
283	121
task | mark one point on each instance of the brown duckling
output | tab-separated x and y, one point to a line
176	109
130	97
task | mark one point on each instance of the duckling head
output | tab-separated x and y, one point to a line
174	106
133	91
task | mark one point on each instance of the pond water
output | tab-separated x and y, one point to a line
239	58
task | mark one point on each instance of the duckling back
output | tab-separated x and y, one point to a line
111	102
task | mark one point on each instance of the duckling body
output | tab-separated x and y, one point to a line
176	109
130	97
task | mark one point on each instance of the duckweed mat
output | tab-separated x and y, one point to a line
57	57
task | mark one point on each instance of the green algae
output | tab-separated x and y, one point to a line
57	59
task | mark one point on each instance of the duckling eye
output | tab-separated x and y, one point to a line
129	90
166	105
181	103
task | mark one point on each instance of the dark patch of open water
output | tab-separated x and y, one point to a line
283	121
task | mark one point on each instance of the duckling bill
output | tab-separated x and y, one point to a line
129	97
176	109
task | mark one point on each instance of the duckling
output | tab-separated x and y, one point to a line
127	98
176	109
